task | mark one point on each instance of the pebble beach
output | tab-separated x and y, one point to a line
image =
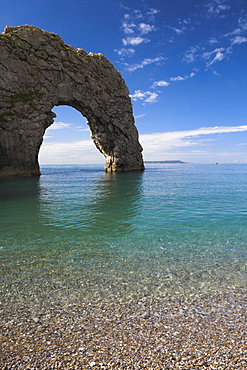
55	318
159	334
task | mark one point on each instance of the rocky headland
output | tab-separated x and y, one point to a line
39	71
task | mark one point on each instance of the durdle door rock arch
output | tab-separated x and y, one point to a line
39	71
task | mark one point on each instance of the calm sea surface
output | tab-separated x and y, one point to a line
79	234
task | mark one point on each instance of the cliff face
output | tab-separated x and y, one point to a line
39	71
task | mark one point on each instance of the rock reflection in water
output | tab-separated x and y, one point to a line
19	211
105	205
67	205
115	204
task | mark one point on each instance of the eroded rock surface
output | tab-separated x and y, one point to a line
39	71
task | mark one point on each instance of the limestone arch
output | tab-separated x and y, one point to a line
39	71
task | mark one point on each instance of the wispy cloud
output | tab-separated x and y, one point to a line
156	145
126	16
174	137
60	126
153	11
144	63
145	28
141	28
145	96
128	27
137	14
135	25
135	40
234	37
83	151
191	55
241	27
239	40
125	52
164	83
185	21
161	83
178	78
216	55
213	41
163	142
216	7
81	128
178	31
183	78
140	116
63	126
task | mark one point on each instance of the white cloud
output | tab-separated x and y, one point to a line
63	125
157	145
152	98
213	41
216	73
146	96
180	78
242	28
135	25
239	40
223	7
191	54
83	151
177	30
234	32
126	16
185	21
189	57
137	40
208	54
144	63
128	27
161	83
176	138
192	74
81	128
140	115
215	7
153	11
216	55
145	28
125	52
59	126
137	14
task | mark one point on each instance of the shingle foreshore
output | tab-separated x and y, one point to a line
167	333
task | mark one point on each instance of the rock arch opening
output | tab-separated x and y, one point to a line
68	140
39	71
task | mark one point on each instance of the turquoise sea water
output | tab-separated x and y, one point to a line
80	234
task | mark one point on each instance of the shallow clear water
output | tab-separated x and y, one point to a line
79	234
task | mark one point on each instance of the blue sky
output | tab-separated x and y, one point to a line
184	62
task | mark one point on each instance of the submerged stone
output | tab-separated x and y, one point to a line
39	71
